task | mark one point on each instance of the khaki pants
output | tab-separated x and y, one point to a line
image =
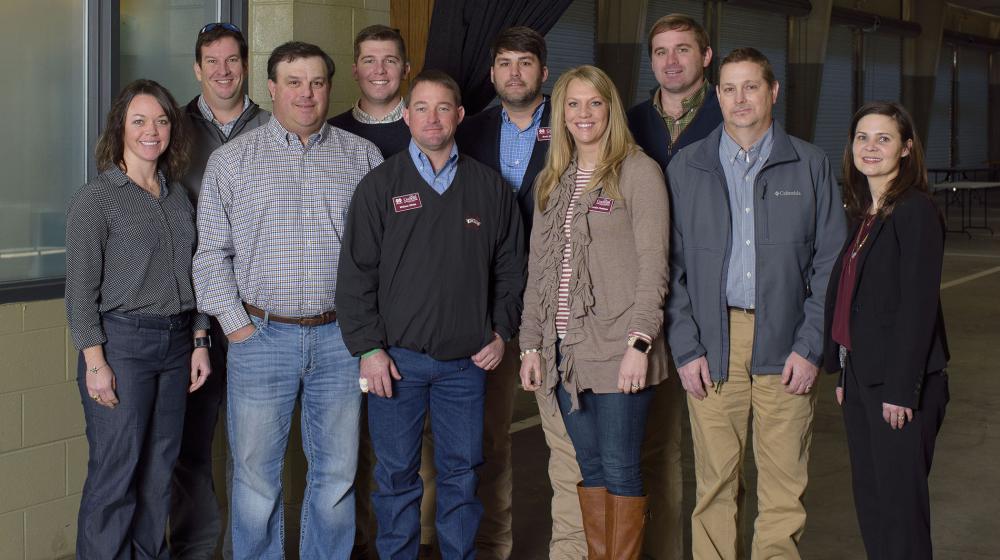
661	472
782	432
495	538
568	541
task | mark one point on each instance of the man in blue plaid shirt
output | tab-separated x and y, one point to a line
270	219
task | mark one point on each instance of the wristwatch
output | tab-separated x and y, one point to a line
203	342
639	344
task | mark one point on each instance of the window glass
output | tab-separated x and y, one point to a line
157	42
44	151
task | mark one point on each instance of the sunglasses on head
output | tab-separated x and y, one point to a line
224	25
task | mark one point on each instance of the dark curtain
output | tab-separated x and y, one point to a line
461	34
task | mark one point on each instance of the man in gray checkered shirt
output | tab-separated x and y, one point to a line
270	218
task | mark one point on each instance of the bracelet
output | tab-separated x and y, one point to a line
528	351
371	352
94	370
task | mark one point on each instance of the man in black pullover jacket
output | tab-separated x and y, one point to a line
429	291
681	111
220	113
513	139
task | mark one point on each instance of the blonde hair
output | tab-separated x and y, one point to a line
616	145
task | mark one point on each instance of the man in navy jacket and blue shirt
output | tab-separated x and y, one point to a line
513	139
430	289
757	223
683	109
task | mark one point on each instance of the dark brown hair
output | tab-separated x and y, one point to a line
292	51
750	54
912	170
111	146
519	39
380	33
219	32
436	77
678	22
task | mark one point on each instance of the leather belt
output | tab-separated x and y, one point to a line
742	310
314	321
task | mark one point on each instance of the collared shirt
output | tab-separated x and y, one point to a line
363	117
206	112
690	106
270	219
127	251
516	146
741	168
441	179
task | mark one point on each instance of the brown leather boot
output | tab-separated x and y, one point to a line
592	502
626	523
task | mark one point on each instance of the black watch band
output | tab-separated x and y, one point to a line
203	342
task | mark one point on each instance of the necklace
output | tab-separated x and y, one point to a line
866	228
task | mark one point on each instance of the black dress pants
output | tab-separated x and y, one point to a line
890	467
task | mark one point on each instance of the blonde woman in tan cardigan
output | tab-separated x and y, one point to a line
593	306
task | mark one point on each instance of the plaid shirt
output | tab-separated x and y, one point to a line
690	106
270	219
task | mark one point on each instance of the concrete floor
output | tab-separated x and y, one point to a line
965	483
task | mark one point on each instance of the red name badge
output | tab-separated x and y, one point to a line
406	202
602	205
544	134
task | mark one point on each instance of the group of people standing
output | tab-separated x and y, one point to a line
397	270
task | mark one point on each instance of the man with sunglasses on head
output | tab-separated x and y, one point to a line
221	111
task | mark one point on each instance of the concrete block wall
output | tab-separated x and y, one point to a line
43	451
331	24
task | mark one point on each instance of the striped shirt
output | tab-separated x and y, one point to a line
270	219
562	309
129	252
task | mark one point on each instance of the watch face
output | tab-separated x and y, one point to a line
640	345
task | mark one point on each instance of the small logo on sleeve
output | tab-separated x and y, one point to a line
406	202
544	134
602	205
472	221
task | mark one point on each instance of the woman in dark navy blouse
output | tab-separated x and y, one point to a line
130	304
885	331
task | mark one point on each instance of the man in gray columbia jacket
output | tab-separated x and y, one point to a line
757	223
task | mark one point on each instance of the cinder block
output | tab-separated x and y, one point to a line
52	413
77	454
33	476
10	422
44	314
12	536
11	318
380	5
330	27
258	80
364	18
51	528
271	26
34	359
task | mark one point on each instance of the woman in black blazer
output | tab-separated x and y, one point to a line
885	331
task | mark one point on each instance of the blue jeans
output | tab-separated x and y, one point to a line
268	372
133	447
607	432
453	391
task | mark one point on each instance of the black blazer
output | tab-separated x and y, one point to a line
897	328
479	136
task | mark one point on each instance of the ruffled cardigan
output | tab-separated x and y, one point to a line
618	283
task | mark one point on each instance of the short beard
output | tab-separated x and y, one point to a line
521	100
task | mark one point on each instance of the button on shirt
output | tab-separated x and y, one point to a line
270	219
127	251
741	168
438	180
516	146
